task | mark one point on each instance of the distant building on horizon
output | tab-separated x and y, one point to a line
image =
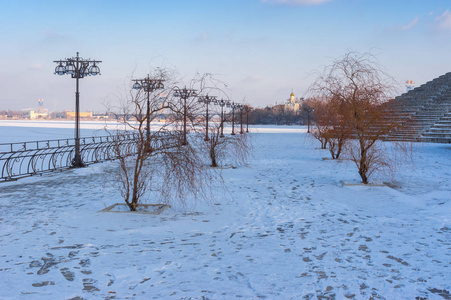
293	104
71	114
42	113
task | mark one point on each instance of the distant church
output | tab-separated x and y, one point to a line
293	104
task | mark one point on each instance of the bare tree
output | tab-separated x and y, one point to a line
222	148
337	130
227	149
320	128
157	163
359	87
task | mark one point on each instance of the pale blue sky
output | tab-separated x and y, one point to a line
262	49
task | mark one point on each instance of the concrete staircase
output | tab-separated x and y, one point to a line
424	112
440	132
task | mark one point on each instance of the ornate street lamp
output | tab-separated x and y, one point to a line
207	100
77	68
149	85
247	108
233	105
241	108
184	94
222	103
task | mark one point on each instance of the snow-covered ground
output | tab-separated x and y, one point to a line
286	229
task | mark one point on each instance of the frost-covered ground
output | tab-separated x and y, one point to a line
286	230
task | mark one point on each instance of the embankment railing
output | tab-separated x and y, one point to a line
18	160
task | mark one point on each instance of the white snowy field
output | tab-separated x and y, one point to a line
286	229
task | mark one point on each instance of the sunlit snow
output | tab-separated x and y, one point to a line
284	229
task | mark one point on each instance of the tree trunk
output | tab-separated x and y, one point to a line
362	174
213	158
363	168
133	204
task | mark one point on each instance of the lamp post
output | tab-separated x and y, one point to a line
184	94
247	108
148	85
222	103
78	68
241	107
233	106
207	100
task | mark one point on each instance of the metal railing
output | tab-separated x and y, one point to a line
18	160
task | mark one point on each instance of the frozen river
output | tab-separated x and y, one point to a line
27	130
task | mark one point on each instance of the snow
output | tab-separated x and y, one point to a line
285	229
